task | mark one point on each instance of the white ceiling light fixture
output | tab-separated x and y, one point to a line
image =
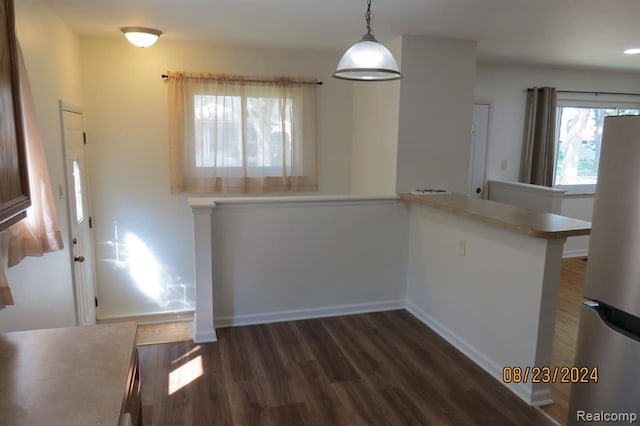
140	36
368	59
633	51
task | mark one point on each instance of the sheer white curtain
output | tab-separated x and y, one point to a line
5	291
234	134
39	233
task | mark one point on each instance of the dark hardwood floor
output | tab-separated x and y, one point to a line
371	369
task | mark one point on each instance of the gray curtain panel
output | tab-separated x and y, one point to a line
538	147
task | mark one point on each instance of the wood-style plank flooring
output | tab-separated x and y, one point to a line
164	332
372	369
566	331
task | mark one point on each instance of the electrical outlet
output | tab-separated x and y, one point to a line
503	165
462	247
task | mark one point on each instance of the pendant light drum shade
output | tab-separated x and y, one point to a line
367	60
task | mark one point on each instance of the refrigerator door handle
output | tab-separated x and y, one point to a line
616	319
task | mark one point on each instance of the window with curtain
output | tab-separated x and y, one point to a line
578	138
234	134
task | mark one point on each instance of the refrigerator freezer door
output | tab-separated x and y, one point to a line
613	270
617	358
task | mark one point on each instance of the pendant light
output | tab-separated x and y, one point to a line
367	60
140	36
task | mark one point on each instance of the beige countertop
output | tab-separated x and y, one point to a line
65	376
517	219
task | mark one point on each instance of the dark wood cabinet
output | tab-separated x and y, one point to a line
14	181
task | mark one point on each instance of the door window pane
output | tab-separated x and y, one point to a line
77	185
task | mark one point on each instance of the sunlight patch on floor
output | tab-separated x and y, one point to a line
185	374
191	352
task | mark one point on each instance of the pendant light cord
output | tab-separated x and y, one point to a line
368	17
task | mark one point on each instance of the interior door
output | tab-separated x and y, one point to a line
79	215
479	132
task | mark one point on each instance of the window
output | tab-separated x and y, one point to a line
234	135
77	186
263	142
578	140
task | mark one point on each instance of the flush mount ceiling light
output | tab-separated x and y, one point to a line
367	60
140	36
633	51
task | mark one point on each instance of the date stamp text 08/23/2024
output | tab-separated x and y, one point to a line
546	374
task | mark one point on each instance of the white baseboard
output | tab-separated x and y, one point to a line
575	253
205	336
541	397
301	314
155	318
523	391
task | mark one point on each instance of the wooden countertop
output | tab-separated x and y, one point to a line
65	376
517	219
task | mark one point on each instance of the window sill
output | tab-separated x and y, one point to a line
579	194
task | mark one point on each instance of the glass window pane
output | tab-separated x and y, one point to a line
244	131
77	185
218	135
578	148
579	142
268	129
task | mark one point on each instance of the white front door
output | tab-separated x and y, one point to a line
79	215
479	131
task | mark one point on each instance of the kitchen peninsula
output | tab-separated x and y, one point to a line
485	276
482	274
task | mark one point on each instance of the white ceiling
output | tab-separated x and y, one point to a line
583	33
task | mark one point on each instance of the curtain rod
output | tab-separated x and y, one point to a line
593	93
319	83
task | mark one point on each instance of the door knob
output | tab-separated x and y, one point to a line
79	259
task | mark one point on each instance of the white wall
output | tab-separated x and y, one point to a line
376	108
534	197
502	87
126	118
579	207
42	287
289	260
436	102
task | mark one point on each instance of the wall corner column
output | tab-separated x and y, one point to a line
203	326
541	392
